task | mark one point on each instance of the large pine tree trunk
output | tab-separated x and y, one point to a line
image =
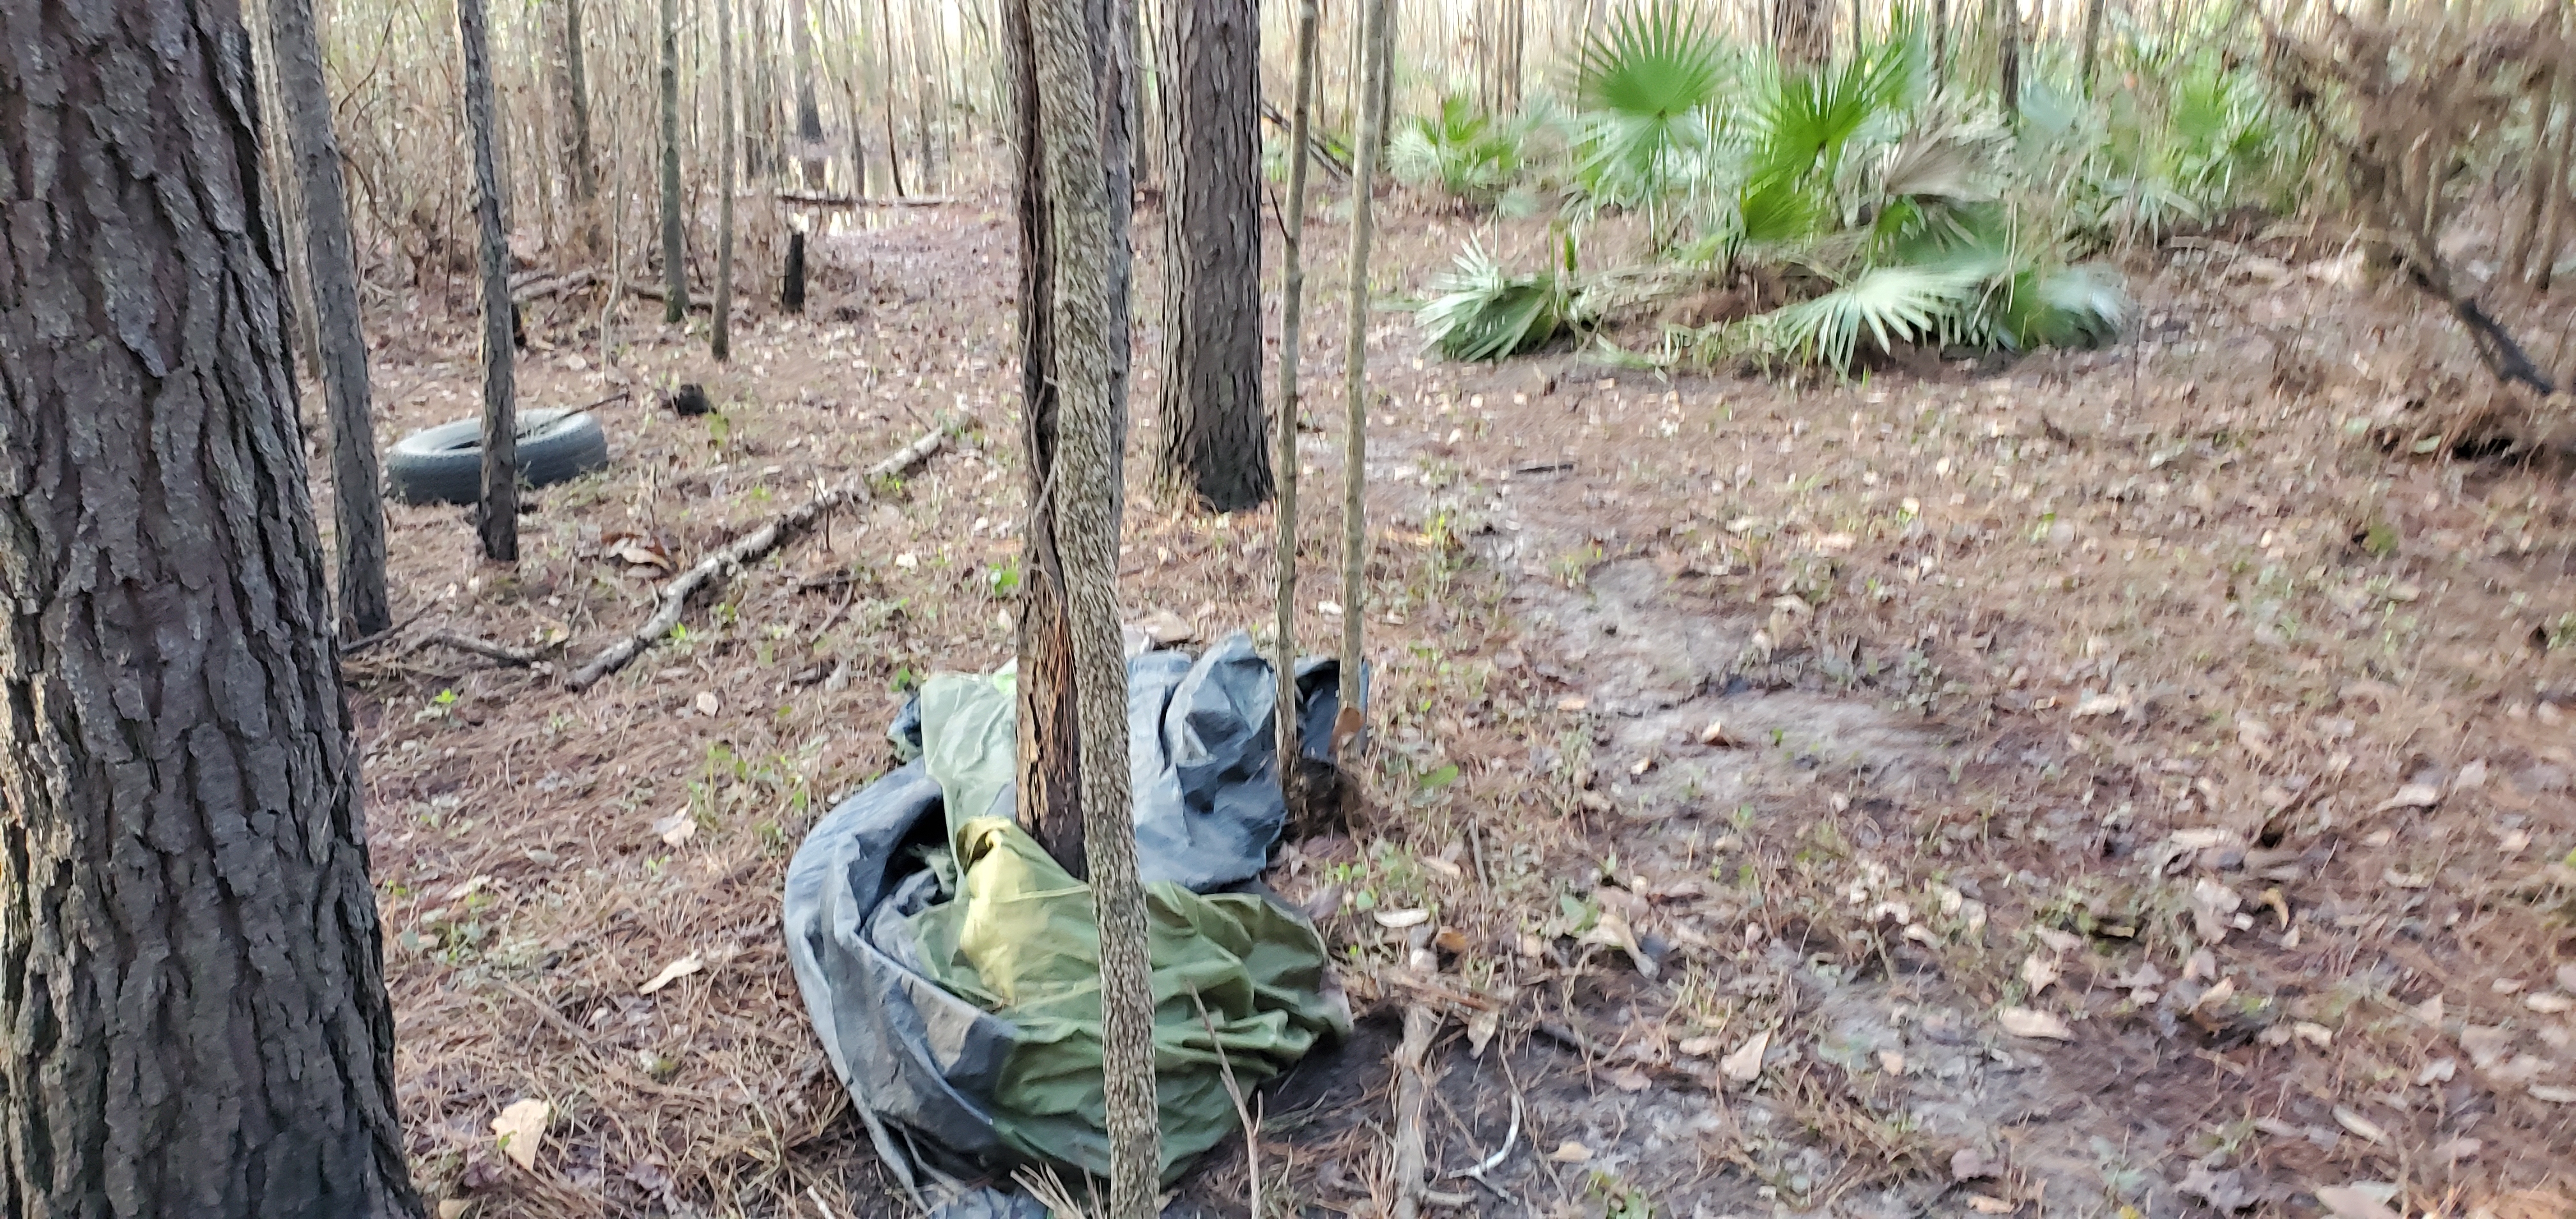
497	519
1211	449
193	1017
675	249
1049	752
331	259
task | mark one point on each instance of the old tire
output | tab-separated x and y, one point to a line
444	465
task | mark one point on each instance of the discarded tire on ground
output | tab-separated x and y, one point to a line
444	465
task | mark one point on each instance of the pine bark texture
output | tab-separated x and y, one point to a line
1292	333
191	985
331	259
1049	748
497	519
675	249
720	340
1211	449
1373	66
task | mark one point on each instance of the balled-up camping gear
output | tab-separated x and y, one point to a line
952	967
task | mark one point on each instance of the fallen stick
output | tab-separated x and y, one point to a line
550	285
519	657
1420	1022
749	548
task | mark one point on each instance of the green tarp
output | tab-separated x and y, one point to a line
1017	937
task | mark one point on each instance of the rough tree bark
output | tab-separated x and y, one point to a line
1049	752
331	260
675	248
585	164
193	1018
2092	41
1364	159
1071	68
497	520
1292	329
1802	32
720	337
1211	447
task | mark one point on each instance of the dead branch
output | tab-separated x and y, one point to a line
530	288
516	657
749	548
1315	144
1420	1022
809	198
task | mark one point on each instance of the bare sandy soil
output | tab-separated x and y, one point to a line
2134	781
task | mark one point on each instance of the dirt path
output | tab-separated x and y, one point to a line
2077	694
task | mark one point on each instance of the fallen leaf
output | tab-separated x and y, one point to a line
1745	1064
2224	1191
673	972
1699	1047
2203	838
2554	1094
2440	1070
2031	1022
2353	1121
2455	1150
1480	1030
2566	977
1984	1205
1630	1079
2038	971
1891	1062
522	1127
2313	1033
1166	628
2547	1004
2345	1202
1450	940
676	828
1612	930
1398	920
2101	704
1715	734
707	704
2413	795
454	1208
2485	1043
1968	1164
2062	941
1570	1152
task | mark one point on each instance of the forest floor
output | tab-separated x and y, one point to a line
2126	782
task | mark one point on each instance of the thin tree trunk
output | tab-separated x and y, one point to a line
2008	57
498	523
1049	754
920	78
2552	225
675	249
1355	350
286	194
193	1018
330	255
809	118
1940	43
1074	172
1292	328
2548	174
2092	40
1211	447
1802	33
720	341
885	80
585	163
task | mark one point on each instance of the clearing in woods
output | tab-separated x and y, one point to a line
2121	782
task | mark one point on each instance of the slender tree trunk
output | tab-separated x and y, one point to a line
1940	43
285	194
1211	447
885	79
585	163
2552	224
675	249
1355	349
499	520
2008	57
2548	174
809	118
193	1018
2092	40
1292	332
720	340
330	255
1070	60
1049	753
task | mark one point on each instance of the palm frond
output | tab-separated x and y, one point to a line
1645	78
1898	304
1483	312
